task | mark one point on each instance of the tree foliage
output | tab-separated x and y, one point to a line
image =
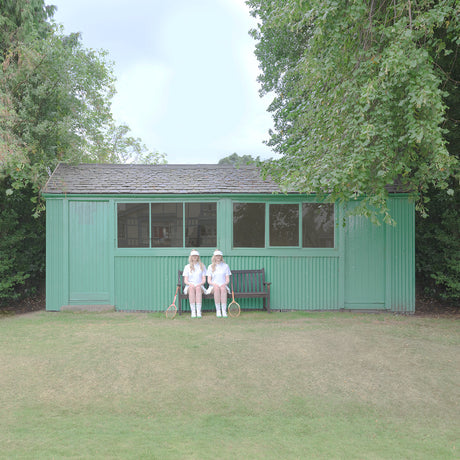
366	94
55	105
238	160
22	242
438	246
55	98
359	95
438	234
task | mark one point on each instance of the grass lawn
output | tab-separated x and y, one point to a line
285	385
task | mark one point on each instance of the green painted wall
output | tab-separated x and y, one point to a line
89	261
369	268
148	283
364	264
56	258
400	254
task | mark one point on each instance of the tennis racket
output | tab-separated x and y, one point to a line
171	311
234	308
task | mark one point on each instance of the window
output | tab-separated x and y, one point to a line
166	225
133	225
313	223
317	225
200	225
284	225
248	225
255	225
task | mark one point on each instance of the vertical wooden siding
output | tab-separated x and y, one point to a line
299	283
56	271
364	264
89	264
401	250
146	283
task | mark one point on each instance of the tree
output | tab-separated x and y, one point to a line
359	95
55	105
22	243
123	148
238	160
55	98
437	238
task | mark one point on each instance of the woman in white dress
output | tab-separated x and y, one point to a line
194	278
218	279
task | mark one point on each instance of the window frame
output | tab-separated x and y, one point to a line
117	223
151	226
224	226
149	202
334	235
299	223
184	236
300	246
232	225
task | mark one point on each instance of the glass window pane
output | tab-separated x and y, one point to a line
133	225
166	225
200	225
248	225
317	225
284	225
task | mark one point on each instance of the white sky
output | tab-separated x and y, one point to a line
186	73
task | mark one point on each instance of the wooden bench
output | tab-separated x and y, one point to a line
248	284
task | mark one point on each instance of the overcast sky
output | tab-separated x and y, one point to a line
186	73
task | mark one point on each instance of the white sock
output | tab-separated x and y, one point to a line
224	309
218	310
198	310
192	307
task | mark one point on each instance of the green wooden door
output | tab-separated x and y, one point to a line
88	252
364	264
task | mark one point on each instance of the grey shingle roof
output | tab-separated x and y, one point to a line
157	179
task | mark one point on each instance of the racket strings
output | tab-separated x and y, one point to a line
171	311
234	309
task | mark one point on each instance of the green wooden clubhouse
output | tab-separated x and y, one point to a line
118	234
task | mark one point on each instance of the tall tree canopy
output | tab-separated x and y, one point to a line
55	105
55	98
360	94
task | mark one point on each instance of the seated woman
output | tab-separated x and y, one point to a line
218	279
194	278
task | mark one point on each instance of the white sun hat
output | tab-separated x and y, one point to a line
194	253
218	253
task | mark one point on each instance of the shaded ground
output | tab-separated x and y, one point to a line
26	305
425	306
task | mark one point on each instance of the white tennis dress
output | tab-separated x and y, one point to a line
195	277
218	276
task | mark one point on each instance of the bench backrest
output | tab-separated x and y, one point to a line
248	280
243	280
